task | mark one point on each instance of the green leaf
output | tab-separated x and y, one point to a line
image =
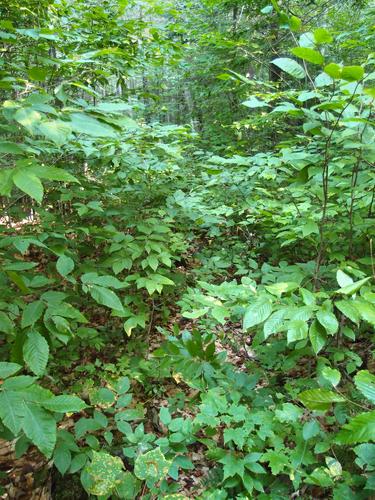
40	428
352	73
274	323
279	288
152	466
277	461
353	288
8	369
365	382
37	74
332	375
319	399
232	465
253	102
297	330
65	404
290	66
318	336
289	413
12	410
6	325
64	265
366	310
359	430
32	313
258	312
348	309
52	173
333	70
57	131
321	35
328	320
62	458
35	352
105	297
29	184
83	123
307	54
343	279
104	471
310	429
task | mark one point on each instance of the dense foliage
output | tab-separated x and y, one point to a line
187	297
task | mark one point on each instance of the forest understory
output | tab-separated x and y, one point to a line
187	261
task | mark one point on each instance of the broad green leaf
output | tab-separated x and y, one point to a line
83	123
307	54
37	74
297	330
365	382
32	313
290	66
152	466
12	410
343	279
348	309
274	323
6	325
333	70
258	312
65	404
104	471
319	399
254	102
353	288
321	35
289	413
279	288
40	427
318	336
62	458
29	183
105	297
310	430
52	173
352	73
8	369
64	265
328	320
29	118
366	310
57	131
332	375
35	352
359	430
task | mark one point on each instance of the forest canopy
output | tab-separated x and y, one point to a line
187	254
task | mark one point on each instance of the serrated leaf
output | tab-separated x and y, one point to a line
366	310
152	466
332	375
290	66
35	352
8	369
353	288
297	330
359	430
6	325
365	382
32	313
319	399
328	320
105	297
30	184
40	427
348	309
258	312
11	410
318	336
64	265
65	404
307	54
274	323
